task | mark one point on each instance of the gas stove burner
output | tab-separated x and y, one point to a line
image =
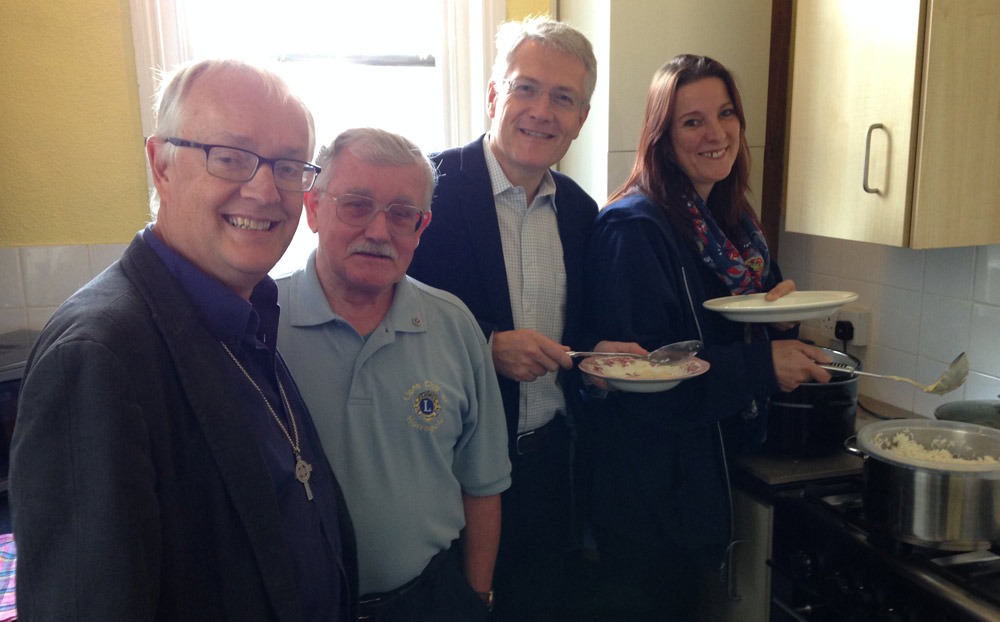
831	557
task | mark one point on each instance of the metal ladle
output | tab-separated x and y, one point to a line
952	378
670	353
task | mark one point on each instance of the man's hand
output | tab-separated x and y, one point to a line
525	355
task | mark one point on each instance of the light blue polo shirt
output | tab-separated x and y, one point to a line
410	417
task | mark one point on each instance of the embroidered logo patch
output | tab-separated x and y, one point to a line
426	400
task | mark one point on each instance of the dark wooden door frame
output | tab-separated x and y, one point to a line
775	148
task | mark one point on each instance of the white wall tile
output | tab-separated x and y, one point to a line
103	255
862	262
949	271
13	319
987	281
982	387
792	250
904	268
868	293
11	286
984	339
38	316
891	362
53	273
944	327
899	319
814	281
823	255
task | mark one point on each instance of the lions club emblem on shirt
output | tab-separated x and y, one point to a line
426	401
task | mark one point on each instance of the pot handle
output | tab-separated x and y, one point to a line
851	446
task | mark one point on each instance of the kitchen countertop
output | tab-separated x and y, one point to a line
776	470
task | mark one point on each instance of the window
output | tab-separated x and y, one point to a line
416	68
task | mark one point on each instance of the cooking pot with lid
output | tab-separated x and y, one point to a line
950	505
981	412
816	418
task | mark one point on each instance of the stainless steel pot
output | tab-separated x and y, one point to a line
980	412
949	506
815	418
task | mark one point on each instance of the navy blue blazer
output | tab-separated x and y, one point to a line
461	252
129	386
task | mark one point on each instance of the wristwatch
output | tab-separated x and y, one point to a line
487	598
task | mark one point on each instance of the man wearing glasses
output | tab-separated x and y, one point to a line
509	239
164	465
402	385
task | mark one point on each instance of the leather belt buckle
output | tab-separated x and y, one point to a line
532	440
526	442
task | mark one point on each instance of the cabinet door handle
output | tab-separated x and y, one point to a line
868	152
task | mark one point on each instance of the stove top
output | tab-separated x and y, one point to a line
827	545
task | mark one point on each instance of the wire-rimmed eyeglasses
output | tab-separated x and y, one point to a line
358	211
528	90
235	164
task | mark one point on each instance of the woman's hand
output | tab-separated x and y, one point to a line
796	362
781	289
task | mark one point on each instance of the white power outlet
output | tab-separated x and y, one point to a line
827	326
860	318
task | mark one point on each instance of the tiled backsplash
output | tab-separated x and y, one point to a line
927	306
35	280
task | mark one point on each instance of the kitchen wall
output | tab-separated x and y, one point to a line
71	163
927	307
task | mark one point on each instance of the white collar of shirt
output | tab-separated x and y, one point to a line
501	185
309	306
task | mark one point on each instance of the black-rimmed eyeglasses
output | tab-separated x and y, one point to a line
358	211
235	164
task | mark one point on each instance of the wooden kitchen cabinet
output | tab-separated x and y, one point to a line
894	122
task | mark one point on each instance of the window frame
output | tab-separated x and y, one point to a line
469	26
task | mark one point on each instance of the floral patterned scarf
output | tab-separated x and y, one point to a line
743	264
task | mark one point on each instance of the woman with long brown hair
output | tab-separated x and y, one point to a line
678	232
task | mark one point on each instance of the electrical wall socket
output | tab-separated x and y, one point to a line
827	326
860	318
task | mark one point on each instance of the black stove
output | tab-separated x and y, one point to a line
830	563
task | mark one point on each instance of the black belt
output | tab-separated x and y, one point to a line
374	606
539	438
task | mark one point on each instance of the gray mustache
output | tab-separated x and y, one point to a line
369	247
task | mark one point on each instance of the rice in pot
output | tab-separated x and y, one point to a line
902	444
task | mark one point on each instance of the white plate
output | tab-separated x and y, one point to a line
792	307
637	375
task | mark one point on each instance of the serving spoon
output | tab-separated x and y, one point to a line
670	353
952	378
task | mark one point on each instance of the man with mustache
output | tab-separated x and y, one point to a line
402	385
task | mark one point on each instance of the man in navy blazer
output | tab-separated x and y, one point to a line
164	466
508	238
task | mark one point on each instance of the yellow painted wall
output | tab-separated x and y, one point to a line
71	158
518	9
72	169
